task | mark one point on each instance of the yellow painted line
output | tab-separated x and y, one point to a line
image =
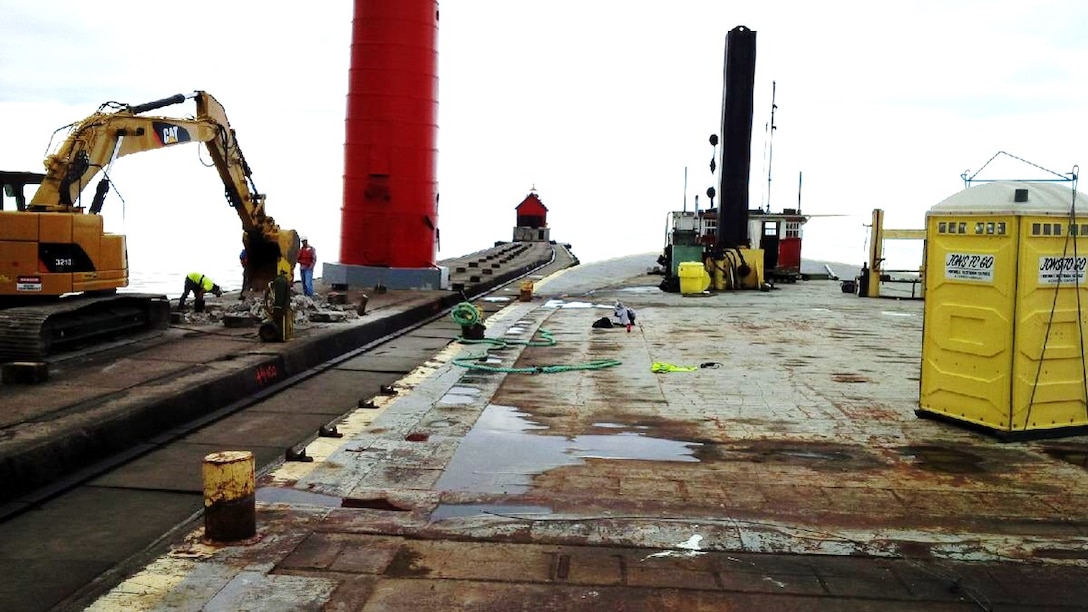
544	281
147	589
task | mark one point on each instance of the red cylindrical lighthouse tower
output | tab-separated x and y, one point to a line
390	213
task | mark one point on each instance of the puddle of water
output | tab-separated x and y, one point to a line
373	504
942	459
275	495
455	399
496	299
618	426
295	497
503	419
459	390
810	454
445	511
1075	456
641	290
565	304
459	395
505	450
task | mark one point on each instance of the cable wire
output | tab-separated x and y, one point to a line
1070	236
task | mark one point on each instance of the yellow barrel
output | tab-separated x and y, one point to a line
693	277
230	502
526	294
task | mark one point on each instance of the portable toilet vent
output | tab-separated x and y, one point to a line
1003	344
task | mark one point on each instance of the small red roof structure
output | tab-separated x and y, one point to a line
532	212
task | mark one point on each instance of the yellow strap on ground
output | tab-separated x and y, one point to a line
661	366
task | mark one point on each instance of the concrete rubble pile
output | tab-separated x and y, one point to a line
307	310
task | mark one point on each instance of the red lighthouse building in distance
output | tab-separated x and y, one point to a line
389	219
532	222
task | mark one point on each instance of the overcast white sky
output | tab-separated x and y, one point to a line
598	104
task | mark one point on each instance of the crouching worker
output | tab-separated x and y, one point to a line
625	315
198	284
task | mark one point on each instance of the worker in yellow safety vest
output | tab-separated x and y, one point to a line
198	284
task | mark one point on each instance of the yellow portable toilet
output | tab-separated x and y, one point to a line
1003	344
694	278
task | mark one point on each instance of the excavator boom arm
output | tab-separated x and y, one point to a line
95	142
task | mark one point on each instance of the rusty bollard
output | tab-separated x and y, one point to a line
230	501
526	293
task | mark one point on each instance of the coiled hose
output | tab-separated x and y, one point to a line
465	314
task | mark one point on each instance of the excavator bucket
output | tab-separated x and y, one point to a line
264	257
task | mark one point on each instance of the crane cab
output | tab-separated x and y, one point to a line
779	237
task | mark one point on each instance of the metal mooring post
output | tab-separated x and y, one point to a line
230	501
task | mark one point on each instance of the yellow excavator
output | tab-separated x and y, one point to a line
59	269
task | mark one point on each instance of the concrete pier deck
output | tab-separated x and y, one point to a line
784	469
119	395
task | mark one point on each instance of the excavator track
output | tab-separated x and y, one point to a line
30	333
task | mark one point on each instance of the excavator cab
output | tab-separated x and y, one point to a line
18	187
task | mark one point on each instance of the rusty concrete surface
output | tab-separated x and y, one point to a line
787	471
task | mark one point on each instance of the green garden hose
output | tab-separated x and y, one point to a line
502	343
473	363
466	314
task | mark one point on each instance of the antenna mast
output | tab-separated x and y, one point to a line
685	188
770	145
799	176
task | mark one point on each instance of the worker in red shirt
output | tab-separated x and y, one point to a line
307	259
242	259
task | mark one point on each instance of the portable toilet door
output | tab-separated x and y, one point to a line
1004	317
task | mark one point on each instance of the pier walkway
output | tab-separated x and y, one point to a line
778	465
